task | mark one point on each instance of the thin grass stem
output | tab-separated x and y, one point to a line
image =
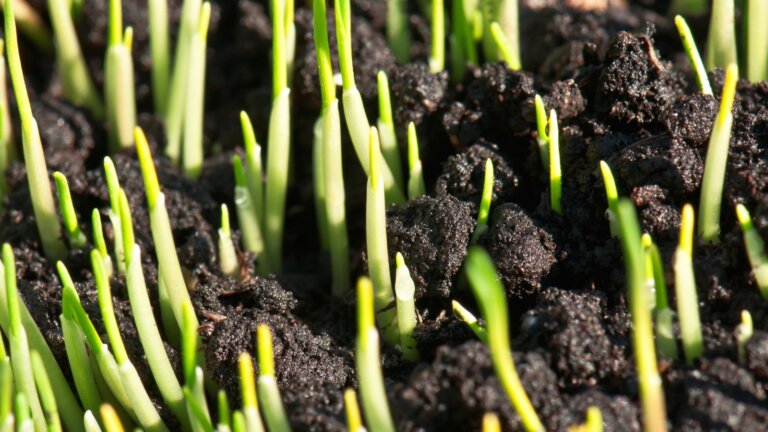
75	236
721	39
437	42
195	106
689	46
389	148
405	289
274	412
685	290
416	186
398	33
755	247
159	43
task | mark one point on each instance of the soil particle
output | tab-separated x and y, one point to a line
523	251
432	234
569	327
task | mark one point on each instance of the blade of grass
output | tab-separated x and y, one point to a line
246	213
159	42
555	174
45	391
274	413
34	159
318	181
386	125
485	202
75	236
685	290
721	39
689	46
119	90
31	25
744	332
250	401
253	171
756	39
405	290
228	263
195	105
665	334
415	176
505	49
352	409
398	34
612	195
7	148
437	39
465	316
100	243
755	249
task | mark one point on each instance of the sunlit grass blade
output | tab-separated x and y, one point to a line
177	96
368	363
32	26
17	339
246	213
194	388
437	43
45	391
755	15
685	290
713	180
664	316
491	423
195	105
76	80
253	166
111	420
75	236
318	181
225	422
7	146
463	48
113	190
415	176
612	195
34	159
744	332
555	173
100	243
755	247
505	49
405	290
492	299
465	316
228	263
159	43
542	139
23	415
335	199
398	33
689	46
119	92
389	148
352	410
274	412
485	202
376	244
651	391
248	388
721	38
592	423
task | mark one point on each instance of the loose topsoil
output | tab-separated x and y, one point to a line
624	93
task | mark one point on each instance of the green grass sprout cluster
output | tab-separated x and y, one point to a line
548	139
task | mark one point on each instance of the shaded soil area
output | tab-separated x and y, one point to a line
624	94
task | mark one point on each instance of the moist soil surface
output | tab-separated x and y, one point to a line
624	93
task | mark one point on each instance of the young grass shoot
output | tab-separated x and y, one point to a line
721	39
192	160
685	290
754	17
274	412
744	332
386	124
755	247
398	33
405	290
118	81
159	45
75	236
689	46
437	43
228	263
612	195
664	316
415	176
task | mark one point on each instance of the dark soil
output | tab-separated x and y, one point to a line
623	92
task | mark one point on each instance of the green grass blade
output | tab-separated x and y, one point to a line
279	149
405	290
689	46
195	106
159	42
755	247
335	199
75	236
721	40
274	412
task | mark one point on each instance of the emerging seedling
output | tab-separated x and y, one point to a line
721	39
274	413
253	167
405	290
437	52
195	104
549	150
7	150
592	423
246	212
354	419
228	263
159	45
34	160
368	362
386	124
45	391
376	243
689	46
100	243
654	269
490	295
78	85
744	333
651	391
194	391
415	177
612	195
76	237
118	81
32	26
717	157
113	189
248	388
398	34
485	202
505	48
505	14
685	290
462	314
755	14
542	140
755	249
463	49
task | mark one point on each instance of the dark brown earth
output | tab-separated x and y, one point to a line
623	92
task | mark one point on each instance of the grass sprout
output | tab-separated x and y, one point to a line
463	49
253	166
415	176
755	249
274	413
651	391
34	159
110	418
149	335
462	314
31	25
744	333
7	149
492	299
505	49
721	39
437	43
251	414
754	16
352	101
376	244
542	139
485	202
689	46
75	236
246	211
118	81
318	183
685	290
194	391
23	378
491	423
192	160
665	334
228	263
612	195
592	423
177	96
398	34
713	179
405	290
352	409
389	148
45	391
225	419
368	362
100	243
159	45
76	80
555	174
113	189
